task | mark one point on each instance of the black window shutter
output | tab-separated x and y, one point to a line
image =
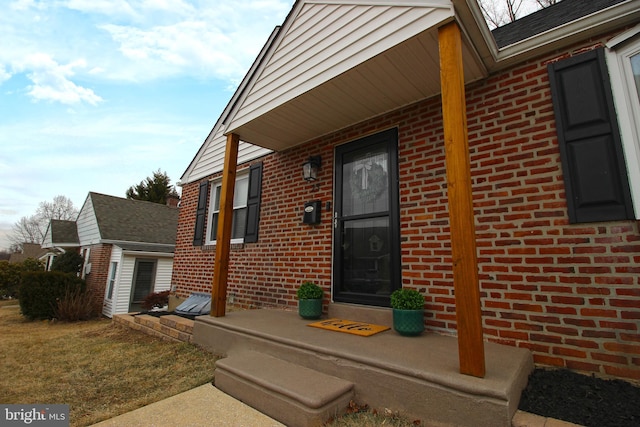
253	203
201	213
593	163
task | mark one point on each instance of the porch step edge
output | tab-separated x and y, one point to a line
292	394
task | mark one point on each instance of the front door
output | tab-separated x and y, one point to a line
143	281
366	250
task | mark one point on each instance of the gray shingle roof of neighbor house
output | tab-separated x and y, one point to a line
547	19
64	231
128	220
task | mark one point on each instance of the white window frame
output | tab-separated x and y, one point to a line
112	280
240	196
625	97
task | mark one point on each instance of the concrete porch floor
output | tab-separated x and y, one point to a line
416	376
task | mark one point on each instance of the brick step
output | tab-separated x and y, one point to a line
290	393
174	328
179	323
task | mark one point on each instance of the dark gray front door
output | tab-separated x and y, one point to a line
143	280
366	252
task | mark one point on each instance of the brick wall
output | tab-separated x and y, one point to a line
99	257
569	293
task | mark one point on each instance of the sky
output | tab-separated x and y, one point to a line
96	95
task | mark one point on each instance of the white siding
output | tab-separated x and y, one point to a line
108	307
163	274
47	240
210	159
124	279
88	232
123	297
326	40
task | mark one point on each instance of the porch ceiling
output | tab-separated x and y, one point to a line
336	64
400	76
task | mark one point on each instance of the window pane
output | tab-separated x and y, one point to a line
635	67
216	195
366	256
240	192
239	223
214	226
365	182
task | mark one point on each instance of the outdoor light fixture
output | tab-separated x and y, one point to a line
311	167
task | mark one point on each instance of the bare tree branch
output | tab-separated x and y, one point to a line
31	229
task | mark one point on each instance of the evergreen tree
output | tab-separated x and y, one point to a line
154	189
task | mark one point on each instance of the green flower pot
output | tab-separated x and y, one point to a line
310	308
408	322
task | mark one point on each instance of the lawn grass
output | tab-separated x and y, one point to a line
102	370
98	369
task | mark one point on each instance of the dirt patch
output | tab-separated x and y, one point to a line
582	399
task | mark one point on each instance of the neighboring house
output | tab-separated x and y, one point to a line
29	250
61	236
127	246
552	121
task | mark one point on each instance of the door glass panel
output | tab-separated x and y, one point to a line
143	282
365	182
366	256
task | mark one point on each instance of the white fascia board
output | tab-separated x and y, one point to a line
569	31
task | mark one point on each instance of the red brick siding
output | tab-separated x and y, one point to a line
569	293
99	257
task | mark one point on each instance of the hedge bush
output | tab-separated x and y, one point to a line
11	275
68	262
40	292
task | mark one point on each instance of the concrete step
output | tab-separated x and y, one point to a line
416	376
290	393
173	328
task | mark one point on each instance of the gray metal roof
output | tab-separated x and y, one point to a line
134	220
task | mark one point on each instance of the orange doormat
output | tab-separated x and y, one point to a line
349	326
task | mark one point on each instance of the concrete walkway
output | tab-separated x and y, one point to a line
203	406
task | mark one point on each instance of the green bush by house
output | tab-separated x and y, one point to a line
41	291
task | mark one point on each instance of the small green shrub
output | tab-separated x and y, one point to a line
68	262
309	290
156	300
407	299
77	304
40	292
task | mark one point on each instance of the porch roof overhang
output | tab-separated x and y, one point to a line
337	63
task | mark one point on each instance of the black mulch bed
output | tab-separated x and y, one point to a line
581	399
164	313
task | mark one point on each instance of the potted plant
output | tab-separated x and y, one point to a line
408	311
310	300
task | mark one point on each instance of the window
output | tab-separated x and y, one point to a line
593	162
112	279
623	59
239	210
246	208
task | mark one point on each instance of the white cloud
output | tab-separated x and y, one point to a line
51	80
105	7
4	75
